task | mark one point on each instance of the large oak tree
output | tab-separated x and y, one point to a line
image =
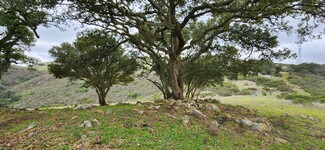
174	33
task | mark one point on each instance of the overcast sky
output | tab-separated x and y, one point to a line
313	51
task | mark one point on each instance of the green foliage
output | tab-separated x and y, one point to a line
244	92
309	68
133	95
226	89
8	97
313	84
96	58
279	85
19	20
296	98
302	99
176	33
83	90
201	72
264	93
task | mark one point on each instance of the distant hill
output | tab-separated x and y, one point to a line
38	88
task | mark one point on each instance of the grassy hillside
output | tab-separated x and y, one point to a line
46	91
160	124
146	127
40	89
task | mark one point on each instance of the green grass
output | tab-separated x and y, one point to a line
126	129
270	106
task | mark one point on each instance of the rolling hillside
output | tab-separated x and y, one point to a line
40	89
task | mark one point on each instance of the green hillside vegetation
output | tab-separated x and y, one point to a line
310	78
159	125
145	127
40	89
16	75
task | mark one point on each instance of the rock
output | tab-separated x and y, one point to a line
215	124
196	105
196	113
213	128
261	127
246	122
172	102
86	123
9	145
154	107
31	126
140	112
306	117
310	117
279	140
176	107
191	102
228	116
212	107
178	103
81	107
96	122
186	120
186	105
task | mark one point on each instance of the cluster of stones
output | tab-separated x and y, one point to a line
193	108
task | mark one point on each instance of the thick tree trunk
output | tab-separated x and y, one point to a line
177	42
176	81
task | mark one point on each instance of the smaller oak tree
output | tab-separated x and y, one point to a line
96	58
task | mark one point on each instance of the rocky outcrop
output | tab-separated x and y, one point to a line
196	113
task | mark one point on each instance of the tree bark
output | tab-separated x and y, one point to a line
102	102
176	81
101	96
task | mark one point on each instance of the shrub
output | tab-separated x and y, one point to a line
244	92
297	98
264	93
226	89
133	95
270	83
83	90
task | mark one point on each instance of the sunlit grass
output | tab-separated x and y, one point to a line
270	105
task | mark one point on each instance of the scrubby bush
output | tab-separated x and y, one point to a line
264	93
8	97
226	89
297	98
244	92
271	83
133	95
